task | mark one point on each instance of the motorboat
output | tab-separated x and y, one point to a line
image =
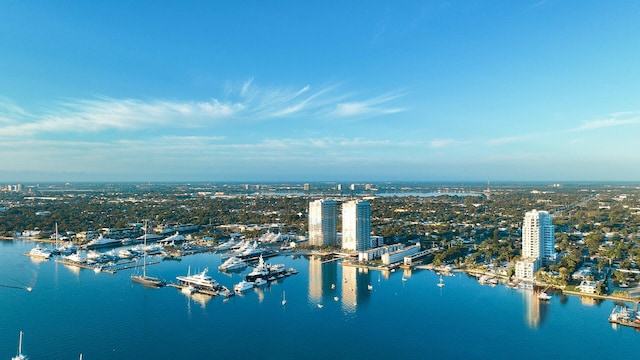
544	296
199	281
225	246
67	248
102	242
266	271
233	263
441	283
243	286
20	355
39	252
74	258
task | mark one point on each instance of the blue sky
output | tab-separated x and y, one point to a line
319	91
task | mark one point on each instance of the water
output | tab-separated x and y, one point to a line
106	316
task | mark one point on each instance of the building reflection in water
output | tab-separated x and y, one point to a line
355	287
535	309
323	277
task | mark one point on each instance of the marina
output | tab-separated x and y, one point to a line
322	295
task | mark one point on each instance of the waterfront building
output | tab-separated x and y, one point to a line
538	244
356	225
538	240
399	255
377	252
323	222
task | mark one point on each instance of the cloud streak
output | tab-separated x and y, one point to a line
247	102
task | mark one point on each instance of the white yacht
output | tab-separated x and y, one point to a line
20	356
233	263
74	258
199	281
441	283
102	242
544	296
39	252
243	286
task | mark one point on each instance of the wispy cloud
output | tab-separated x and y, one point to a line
615	119
248	102
442	143
370	107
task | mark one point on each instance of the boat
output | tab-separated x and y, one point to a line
232	264
335	298
102	242
225	246
544	296
39	252
144	279
243	286
260	282
369	287
266	271
284	299
320	306
199	281
333	286
441	283
20	355
73	258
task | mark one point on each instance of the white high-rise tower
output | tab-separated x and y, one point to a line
538	243
356	225
323	222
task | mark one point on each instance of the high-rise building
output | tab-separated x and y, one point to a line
356	225
538	243
323	222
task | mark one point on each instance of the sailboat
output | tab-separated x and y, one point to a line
441	283
284	299
143	279
20	356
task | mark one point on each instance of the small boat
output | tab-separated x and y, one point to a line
544	296
441	283
369	287
335	298
20	356
333	286
243	286
320	306
189	289
284	299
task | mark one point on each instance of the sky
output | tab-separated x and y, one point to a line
319	90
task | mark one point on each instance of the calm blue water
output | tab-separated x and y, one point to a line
105	316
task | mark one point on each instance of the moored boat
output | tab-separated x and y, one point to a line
243	286
20	355
233	264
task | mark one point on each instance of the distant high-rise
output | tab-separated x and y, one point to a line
323	222
538	240
356	225
538	243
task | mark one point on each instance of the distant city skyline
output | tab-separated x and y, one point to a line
539	90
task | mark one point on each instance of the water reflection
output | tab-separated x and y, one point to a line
323	276
325	284
356	283
535	309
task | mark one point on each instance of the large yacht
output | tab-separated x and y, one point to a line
232	264
266	271
199	281
243	286
102	242
39	252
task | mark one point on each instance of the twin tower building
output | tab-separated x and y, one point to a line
356	224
